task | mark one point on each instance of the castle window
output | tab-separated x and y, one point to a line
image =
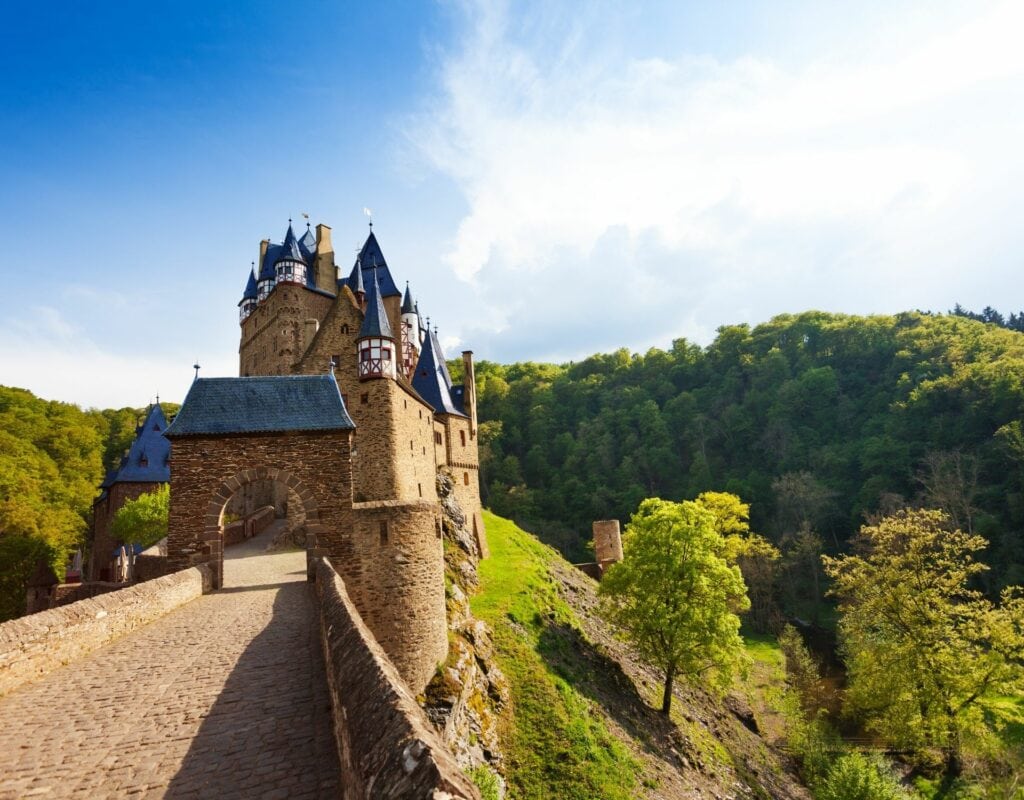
144	462
410	444
364	398
462	436
465	478
336	359
438	439
344	328
383	531
439	530
419	487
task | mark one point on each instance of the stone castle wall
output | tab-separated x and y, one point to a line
34	645
391	558
386	745
274	336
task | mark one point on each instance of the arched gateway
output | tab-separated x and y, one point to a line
234	431
296	430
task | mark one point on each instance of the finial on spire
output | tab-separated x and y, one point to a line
331	364
158	398
370	215
196	368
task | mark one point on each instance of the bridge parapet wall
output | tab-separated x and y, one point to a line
386	745
36	644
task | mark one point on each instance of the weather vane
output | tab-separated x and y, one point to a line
370	215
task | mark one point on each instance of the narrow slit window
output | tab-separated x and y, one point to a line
383	532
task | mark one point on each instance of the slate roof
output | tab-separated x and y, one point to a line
372	258
376	322
250	289
307	244
408	307
147	457
431	379
290	248
273	404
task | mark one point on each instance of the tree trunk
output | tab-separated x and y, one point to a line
666	698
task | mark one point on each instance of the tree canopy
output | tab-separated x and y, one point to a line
923	649
815	419
144	519
676	596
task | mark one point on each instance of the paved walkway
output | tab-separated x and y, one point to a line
224	697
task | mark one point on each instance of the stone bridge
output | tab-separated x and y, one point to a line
227	696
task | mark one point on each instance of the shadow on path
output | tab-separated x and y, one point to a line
268	734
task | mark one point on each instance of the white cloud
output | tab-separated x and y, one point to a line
44	352
653	186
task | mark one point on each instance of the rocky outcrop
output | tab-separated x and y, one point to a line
465	698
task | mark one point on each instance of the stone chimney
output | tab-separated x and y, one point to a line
607	542
469	389
326	277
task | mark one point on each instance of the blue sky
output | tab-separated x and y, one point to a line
554	179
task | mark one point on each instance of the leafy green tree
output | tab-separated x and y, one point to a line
144	519
676	596
924	650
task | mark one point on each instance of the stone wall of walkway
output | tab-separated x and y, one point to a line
36	644
386	746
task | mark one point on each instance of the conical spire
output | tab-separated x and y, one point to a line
250	287
407	305
358	288
375	323
431	379
290	248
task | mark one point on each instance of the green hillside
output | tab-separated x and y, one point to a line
815	419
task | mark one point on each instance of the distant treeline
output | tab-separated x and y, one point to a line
818	420
52	459
1014	322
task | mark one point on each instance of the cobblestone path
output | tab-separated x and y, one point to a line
224	697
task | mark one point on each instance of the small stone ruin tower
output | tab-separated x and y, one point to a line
607	542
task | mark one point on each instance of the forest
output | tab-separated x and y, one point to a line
821	422
52	459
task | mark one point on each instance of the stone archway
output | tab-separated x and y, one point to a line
213	528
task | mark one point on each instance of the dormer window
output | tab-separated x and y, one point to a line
143	461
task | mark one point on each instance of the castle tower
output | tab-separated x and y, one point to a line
290	265
375	343
248	302
410	335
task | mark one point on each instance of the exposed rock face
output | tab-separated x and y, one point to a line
466	695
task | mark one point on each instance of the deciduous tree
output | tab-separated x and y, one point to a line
676	596
923	649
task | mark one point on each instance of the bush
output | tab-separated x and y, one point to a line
856	777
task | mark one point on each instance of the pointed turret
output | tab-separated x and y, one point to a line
372	258
410	334
357	288
290	265
307	244
431	379
375	342
248	302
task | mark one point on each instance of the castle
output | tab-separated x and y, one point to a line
345	401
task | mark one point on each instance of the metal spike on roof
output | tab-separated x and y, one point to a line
375	323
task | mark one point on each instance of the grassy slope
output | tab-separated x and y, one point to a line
557	747
583	724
